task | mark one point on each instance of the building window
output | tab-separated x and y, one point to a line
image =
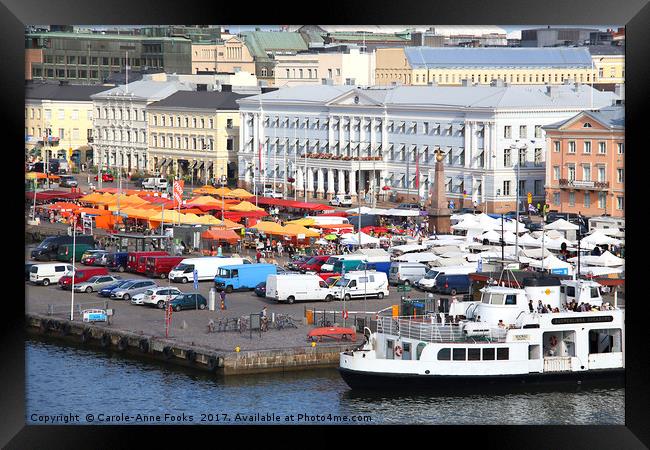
572	147
538	131
522	188
602	200
506	158
230	144
522	156
556	146
572	198
620	148
587	146
587	199
538	156
601	173
264	71
539	187
506	187
586	173
202	123
522	130
507	132
602	148
619	175
619	203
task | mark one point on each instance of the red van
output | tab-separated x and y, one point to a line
159	266
81	275
314	264
133	260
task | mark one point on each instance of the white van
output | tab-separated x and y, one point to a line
291	287
206	267
154	183
49	272
329	264
360	285
406	273
426	283
328	220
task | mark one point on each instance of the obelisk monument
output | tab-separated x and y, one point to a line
439	213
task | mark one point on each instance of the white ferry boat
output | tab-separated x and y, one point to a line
499	342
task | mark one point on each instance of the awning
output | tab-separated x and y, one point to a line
208	165
191	165
162	163
200	165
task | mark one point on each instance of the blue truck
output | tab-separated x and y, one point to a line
242	276
379	266
117	261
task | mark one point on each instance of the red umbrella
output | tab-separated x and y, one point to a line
386	188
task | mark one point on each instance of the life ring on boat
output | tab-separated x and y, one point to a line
398	350
553	341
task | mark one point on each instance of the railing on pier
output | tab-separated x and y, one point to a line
424	329
78	307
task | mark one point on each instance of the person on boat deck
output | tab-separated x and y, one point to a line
548	308
501	324
530	305
540	306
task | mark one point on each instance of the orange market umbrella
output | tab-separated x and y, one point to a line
245	207
207	189
220	235
240	193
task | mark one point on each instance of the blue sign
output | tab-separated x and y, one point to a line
451	204
563	271
196	280
479	267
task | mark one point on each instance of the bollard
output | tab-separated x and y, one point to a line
212	300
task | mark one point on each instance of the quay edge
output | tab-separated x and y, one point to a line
183	354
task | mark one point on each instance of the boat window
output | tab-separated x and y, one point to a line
533	352
444	354
511	299
488	354
594	292
562	289
486	298
497	299
605	341
459	354
390	349
570	291
407	350
419	349
503	353
473	354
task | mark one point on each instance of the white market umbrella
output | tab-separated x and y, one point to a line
562	225
598	238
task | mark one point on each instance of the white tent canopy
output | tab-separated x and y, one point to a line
408	248
536	253
422	257
403	212
561	225
604	260
353	239
552	263
445	262
598	238
600	271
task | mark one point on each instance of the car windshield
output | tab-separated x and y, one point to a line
224	273
331	260
45	243
148	292
183	267
342	282
128	284
431	274
93	279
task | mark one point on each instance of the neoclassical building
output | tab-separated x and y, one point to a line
120	121
349	140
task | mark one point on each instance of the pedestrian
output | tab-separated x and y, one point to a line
539	209
223	298
258	256
530	305
540	306
501	324
264	320
220	251
280	249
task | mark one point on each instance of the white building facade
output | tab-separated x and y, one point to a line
334	140
120	122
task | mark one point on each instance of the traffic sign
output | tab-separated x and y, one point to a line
195	274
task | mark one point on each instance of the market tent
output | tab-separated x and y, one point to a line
528	241
63	206
535	253
353	238
604	260
403	212
362	210
137	213
220	234
190	219
408	248
491	236
334	226
371	229
204	200
295	230
222	191
305	222
598	238
422	257
239	193
207	189
446	262
556	244
553	264
600	271
207	219
168	216
91	198
245	207
268	227
562	225
94	212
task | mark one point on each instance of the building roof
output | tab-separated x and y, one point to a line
607	50
370	37
491	97
66	92
212	100
612	116
451	57
145	89
260	42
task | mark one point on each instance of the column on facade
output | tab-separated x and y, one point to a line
299	182
310	182
341	189
470	129
330	184
475	139
320	190
353	185
382	182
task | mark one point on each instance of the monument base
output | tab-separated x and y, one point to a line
441	220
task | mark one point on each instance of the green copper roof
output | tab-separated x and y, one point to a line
259	42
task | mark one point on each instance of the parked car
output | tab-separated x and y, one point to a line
159	296
408	206
533	226
160	266
133	260
95	283
106	177
117	261
452	284
341	200
294	263
206	267
313	265
406	273
68	181
137	299
127	291
92	257
65	252
260	289
154	183
81	275
271	193
106	291
429	280
48	273
49	248
189	301
360	285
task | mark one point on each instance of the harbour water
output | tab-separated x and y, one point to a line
80	386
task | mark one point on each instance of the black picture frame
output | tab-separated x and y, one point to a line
635	15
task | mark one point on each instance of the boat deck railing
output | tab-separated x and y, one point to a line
423	329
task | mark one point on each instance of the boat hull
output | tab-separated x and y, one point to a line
359	380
